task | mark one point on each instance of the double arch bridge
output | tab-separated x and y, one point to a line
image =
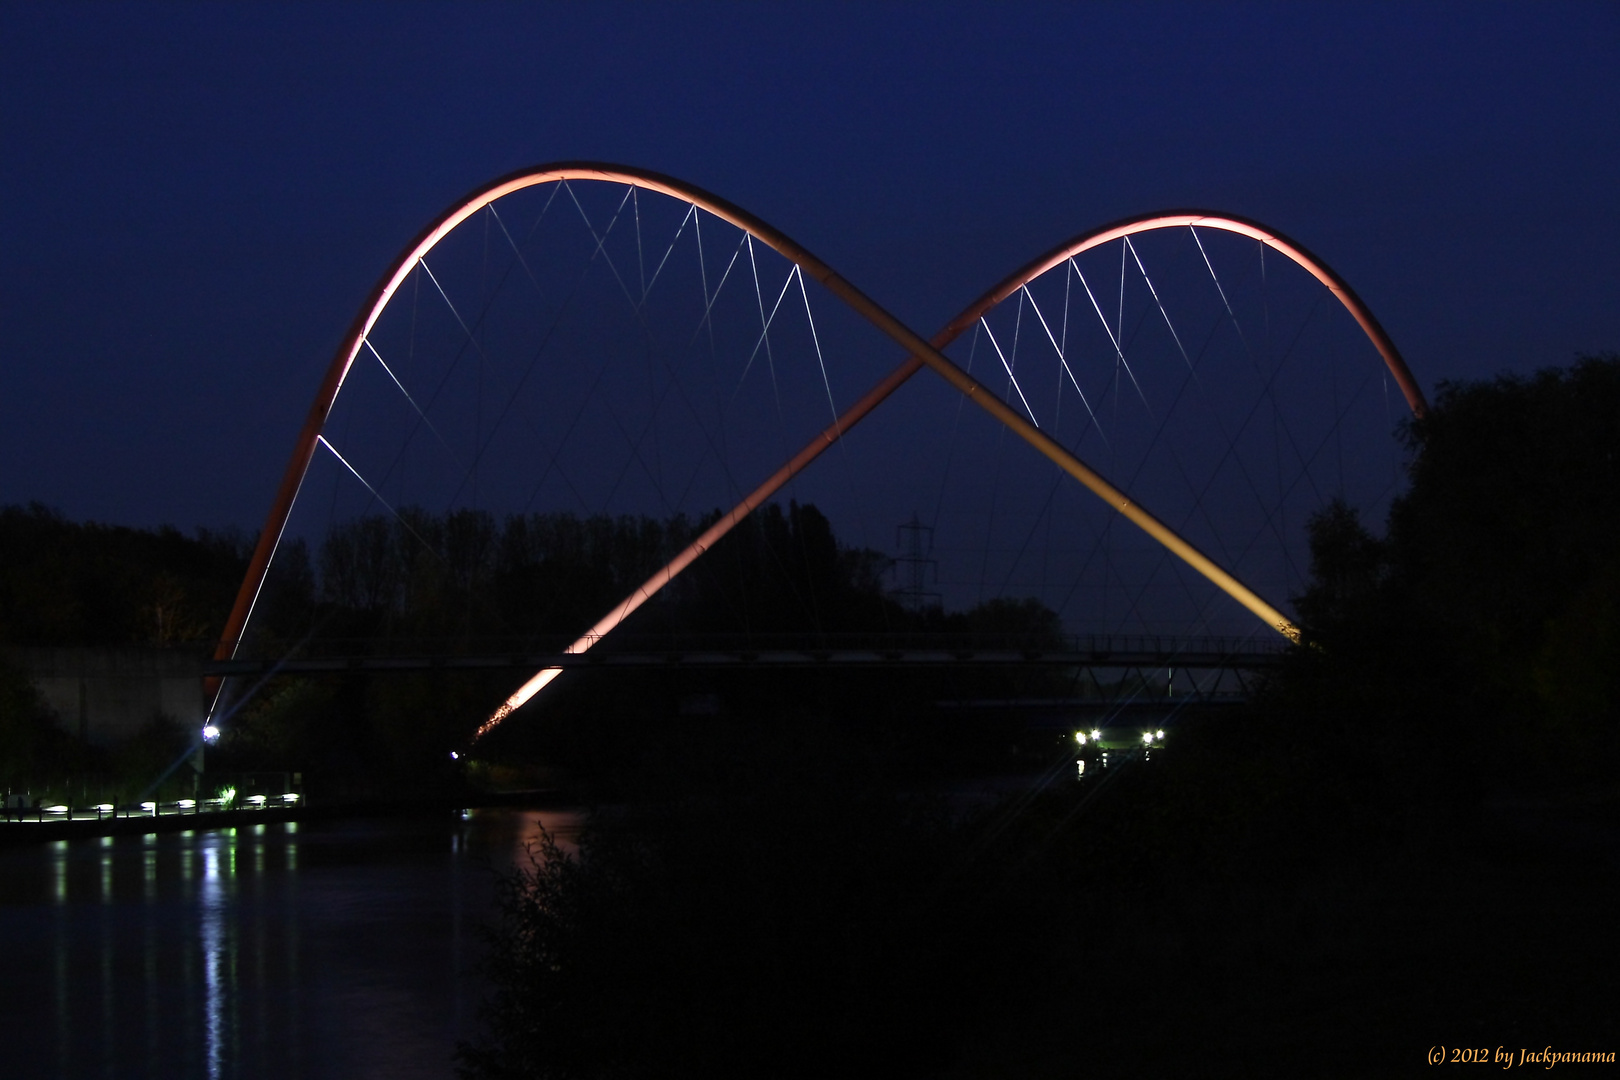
377	343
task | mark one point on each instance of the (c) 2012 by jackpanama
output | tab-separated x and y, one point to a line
1505	1057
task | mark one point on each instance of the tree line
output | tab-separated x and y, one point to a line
467	574
82	583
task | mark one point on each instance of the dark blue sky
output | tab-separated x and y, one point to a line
194	199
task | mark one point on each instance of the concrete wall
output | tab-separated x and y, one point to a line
104	695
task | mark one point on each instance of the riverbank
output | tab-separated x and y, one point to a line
35	830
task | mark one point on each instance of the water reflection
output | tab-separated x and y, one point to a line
106	869
213	933
59	853
149	868
331	949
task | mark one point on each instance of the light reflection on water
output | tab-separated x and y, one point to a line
323	950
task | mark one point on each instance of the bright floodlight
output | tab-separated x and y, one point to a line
1096	735
454	756
1158	734
210	733
1147	736
1080	737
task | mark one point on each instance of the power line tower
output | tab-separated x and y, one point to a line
914	566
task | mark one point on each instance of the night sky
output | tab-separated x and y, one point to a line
197	198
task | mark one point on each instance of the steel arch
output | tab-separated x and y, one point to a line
1169	219
920	353
304	449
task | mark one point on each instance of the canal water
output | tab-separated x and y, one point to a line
316	949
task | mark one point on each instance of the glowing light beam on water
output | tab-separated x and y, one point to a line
219	870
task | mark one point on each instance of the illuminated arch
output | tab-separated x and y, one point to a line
920	353
308	437
1200	219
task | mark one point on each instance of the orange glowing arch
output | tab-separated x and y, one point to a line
920	353
1201	219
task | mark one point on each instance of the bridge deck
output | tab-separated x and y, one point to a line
908	651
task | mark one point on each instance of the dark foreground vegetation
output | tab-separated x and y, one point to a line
1411	841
